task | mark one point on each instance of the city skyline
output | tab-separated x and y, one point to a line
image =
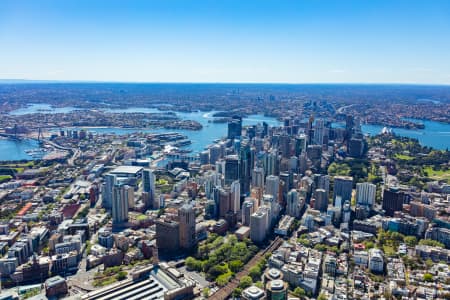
230	42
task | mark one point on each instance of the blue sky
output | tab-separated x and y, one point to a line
302	41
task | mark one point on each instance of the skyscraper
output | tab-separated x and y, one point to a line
167	236
285	146
247	211
288	179
310	130
246	161
273	208
393	201
355	147
258	177
293	164
343	186
204	157
319	132
271	163
365	194
302	163
349	122
321	200
273	186
120	203
293	205
300	144
107	191
265	129
259	144
235	127
224	200
322	182
214	154
231	169
235	205
259	225
186	216
148	183
346	212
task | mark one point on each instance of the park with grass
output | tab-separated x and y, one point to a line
441	174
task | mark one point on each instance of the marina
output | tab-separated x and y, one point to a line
193	141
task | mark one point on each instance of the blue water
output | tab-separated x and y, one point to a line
435	134
200	139
41	108
15	150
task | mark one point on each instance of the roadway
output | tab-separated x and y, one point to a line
71	160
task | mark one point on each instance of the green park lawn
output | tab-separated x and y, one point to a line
437	174
4	178
403	157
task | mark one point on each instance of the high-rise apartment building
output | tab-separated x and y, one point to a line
186	216
120	203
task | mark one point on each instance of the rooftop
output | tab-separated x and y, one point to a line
131	170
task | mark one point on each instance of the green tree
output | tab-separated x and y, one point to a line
305	242
255	273
410	240
205	292
245	282
232	239
427	277
223	279
121	275
322	297
299	292
218	270
368	244
193	264
320	247
429	263
236	265
237	292
433	243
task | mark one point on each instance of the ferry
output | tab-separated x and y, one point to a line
182	143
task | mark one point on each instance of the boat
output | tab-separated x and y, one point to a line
182	143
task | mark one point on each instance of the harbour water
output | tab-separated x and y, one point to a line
15	150
435	134
41	108
200	138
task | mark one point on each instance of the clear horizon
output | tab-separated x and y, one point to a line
267	42
44	81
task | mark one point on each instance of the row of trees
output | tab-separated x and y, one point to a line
253	277
220	258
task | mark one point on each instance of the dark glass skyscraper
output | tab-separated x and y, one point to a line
232	169
393	201
235	127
